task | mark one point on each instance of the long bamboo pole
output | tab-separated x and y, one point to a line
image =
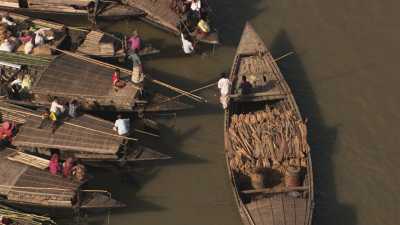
107	65
75	125
193	91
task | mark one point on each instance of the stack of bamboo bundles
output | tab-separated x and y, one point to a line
29	160
275	138
10	3
59	5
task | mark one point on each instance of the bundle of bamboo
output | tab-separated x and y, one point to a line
274	138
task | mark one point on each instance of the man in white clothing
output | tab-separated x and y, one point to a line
122	126
187	46
56	107
223	85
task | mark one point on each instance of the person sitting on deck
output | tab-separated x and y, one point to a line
134	42
187	45
223	85
6	131
137	70
122	126
79	171
56	108
6	19
245	86
73	108
67	167
16	85
116	80
195	5
54	166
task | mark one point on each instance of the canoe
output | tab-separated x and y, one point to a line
94	43
106	9
159	14
266	149
85	137
24	185
68	77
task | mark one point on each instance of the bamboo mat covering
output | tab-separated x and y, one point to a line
29	160
97	43
159	11
69	137
67	76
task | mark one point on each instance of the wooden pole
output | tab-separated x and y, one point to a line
193	91
107	65
283	56
148	133
75	125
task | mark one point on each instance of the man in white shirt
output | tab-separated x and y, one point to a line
56	108
195	5
223	85
187	46
122	126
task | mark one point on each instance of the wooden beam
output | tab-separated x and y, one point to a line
273	191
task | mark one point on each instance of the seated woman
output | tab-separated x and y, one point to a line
116	80
6	131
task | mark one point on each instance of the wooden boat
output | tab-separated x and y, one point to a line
24	185
68	77
106	9
160	14
93	43
22	218
86	137
266	152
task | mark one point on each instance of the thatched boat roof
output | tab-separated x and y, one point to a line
22	183
277	204
67	76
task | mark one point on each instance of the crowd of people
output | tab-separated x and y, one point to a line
70	168
13	35
192	23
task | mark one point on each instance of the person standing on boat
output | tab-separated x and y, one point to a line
122	126
224	85
56	108
73	108
137	69
187	45
135	43
245	86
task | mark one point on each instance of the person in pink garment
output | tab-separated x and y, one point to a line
134	42
54	166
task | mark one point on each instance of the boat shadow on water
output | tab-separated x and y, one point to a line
322	137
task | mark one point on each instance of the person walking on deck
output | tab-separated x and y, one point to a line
187	45
56	108
224	85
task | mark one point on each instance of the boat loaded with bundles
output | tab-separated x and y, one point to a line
110	9
176	16
267	153
85	137
27	185
70	76
39	37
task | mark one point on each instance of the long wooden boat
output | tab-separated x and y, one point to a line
106	9
93	43
86	137
266	146
68	78
24	185
22	218
160	14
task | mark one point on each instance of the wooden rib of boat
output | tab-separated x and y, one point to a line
86	137
105	10
274	199
21	184
93	43
160	14
68	78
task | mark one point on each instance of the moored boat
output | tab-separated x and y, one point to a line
24	185
161	14
85	137
104	9
93	43
267	153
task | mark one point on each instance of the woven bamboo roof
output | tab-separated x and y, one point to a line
67	76
18	179
84	134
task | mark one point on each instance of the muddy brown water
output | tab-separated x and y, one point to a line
345	78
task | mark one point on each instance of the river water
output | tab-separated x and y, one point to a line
344	76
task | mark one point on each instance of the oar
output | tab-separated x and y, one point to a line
193	91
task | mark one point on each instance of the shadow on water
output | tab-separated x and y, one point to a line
322	138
